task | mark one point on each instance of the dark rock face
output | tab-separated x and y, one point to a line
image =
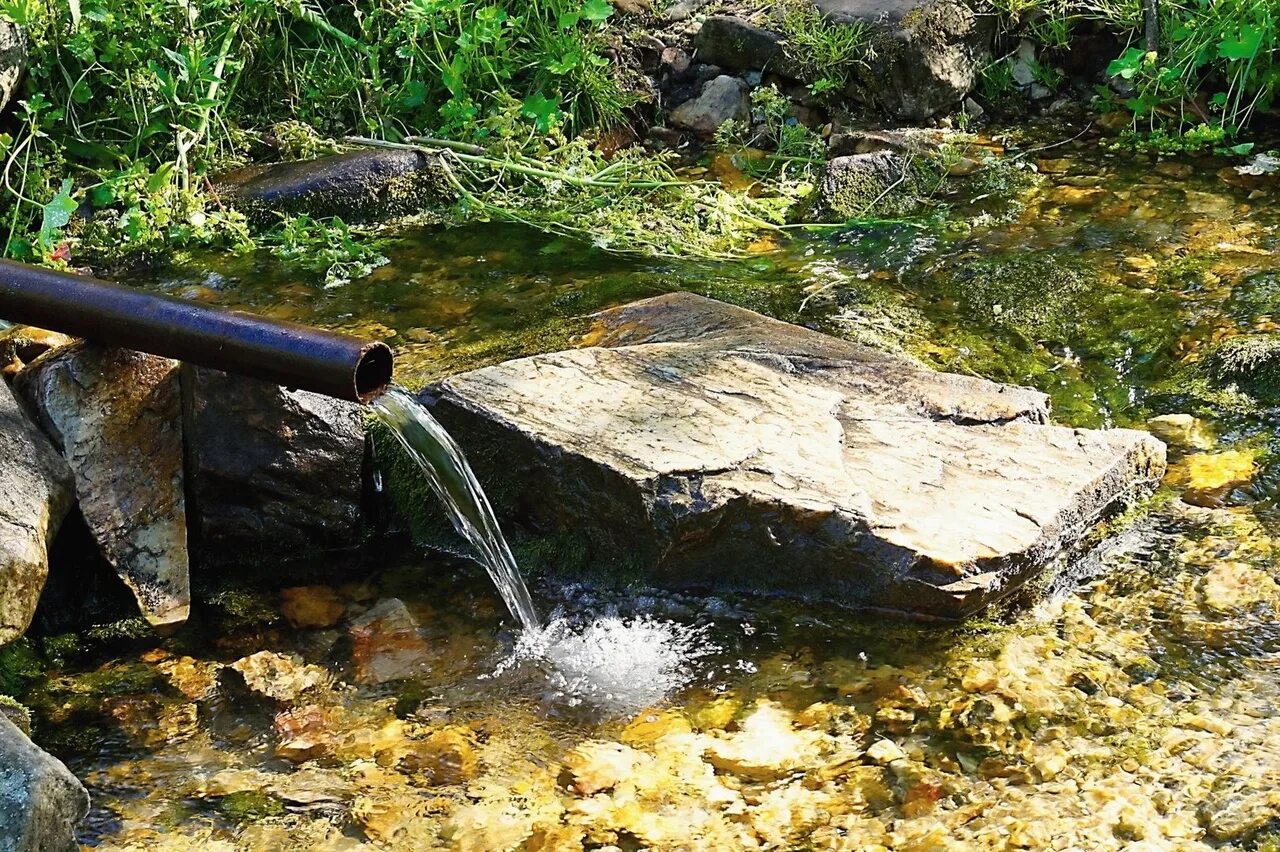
736	45
274	474
36	493
41	802
928	52
723	99
358	186
117	417
697	443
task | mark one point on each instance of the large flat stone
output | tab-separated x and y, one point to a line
116	415
697	443
41	802
36	492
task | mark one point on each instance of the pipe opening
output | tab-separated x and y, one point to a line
373	373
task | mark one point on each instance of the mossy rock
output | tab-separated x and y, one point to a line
16	713
1036	294
1251	362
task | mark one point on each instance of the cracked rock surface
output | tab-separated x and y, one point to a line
116	415
690	442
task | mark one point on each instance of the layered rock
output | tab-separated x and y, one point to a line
696	443
274	473
36	492
41	802
116	415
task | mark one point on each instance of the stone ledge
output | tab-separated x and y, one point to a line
703	444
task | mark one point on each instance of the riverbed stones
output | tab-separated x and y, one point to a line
41	802
356	186
692	443
116	415
722	99
36	492
275	474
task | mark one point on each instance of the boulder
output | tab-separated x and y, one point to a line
41	802
365	185
273	473
722	99
13	59
693	443
882	183
927	53
736	45
36	492
116	415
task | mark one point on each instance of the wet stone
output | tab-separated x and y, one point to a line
41	802
311	607
283	678
387	644
275	473
810	464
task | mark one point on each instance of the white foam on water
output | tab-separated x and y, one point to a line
611	664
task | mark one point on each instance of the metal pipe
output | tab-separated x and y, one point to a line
288	354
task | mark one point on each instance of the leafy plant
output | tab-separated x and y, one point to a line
822	51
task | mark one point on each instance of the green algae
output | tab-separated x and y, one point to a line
1251	362
249	806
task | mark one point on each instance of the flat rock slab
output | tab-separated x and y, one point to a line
36	492
117	417
693	443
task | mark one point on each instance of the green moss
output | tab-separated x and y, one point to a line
239	606
61	649
1036	294
20	665
249	806
16	713
1250	362
124	630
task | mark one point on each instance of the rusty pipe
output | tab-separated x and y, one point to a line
288	354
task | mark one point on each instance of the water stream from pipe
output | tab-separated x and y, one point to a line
453	481
608	662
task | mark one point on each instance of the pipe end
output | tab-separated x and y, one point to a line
373	372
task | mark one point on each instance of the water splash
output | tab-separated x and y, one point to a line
611	664
453	481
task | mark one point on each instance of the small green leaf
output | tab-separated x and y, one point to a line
56	214
1241	149
597	11
541	109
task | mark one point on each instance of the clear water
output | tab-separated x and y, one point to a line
1136	712
453	481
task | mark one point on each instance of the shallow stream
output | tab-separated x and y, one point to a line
1137	710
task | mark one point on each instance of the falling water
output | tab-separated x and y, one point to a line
453	481
609	663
